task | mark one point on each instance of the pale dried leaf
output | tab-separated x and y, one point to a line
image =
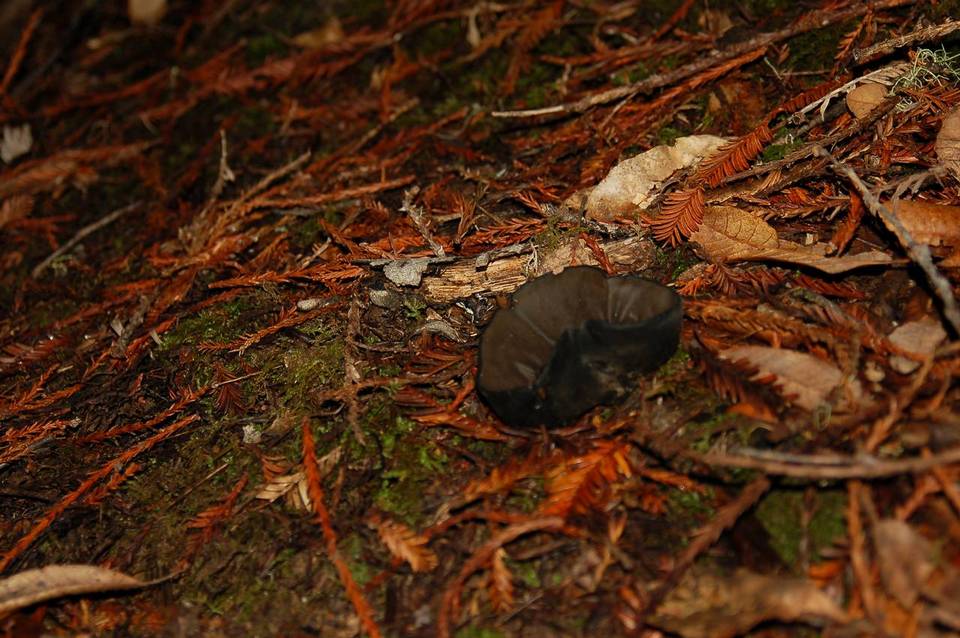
707	606
278	486
17	141
905	560
146	12
948	142
330	33
865	98
54	581
632	184
929	222
731	234
919	337
806	380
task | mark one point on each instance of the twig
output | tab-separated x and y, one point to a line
81	234
927	34
825	467
919	253
661	80
858	551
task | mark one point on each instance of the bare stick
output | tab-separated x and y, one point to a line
83	232
919	253
826	467
928	34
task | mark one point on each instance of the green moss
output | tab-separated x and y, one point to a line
351	548
781	514
307	369
668	135
814	51
779	151
217	324
526	573
411	467
413	307
690	504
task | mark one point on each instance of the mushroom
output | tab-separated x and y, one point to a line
573	341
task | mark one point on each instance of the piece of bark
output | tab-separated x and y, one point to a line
471	276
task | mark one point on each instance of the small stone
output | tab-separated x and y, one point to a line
385	298
251	435
406	272
306	305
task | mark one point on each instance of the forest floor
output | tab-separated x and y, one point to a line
248	250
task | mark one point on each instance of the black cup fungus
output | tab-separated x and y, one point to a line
573	341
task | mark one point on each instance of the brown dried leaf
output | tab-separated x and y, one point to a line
707	606
919	337
330	33
404	543
865	98
948	142
806	380
146	12
929	222
731	234
36	585
904	557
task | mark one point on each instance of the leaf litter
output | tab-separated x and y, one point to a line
248	253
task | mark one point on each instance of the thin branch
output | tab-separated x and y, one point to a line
81	234
825	467
919	253
927	34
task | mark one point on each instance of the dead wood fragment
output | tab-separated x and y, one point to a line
503	275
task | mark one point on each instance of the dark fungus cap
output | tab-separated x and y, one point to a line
574	341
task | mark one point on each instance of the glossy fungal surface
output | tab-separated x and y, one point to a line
573	341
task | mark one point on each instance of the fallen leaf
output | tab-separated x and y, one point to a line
904	557
708	606
146	12
731	234
865	98
928	222
330	33
806	380
633	183
46	583
920	337
948	142
278	486
17	141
